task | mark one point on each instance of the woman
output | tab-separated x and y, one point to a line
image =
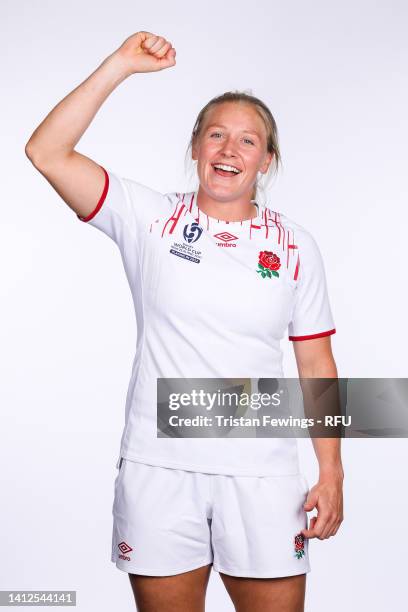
216	279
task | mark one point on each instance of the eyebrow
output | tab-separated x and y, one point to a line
213	125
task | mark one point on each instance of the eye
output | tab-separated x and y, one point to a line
215	134
248	140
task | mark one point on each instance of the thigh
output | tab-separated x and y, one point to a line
183	592
266	594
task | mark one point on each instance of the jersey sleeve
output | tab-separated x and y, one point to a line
124	209
311	316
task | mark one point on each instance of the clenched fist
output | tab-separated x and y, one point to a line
146	52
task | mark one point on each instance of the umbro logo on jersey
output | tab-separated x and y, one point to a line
226	238
192	232
124	548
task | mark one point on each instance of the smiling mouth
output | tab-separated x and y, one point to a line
226	173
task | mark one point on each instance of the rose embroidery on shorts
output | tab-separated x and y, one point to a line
299	545
268	264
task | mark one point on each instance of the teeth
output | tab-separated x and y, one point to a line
227	168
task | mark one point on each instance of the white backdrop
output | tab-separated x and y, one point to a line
332	74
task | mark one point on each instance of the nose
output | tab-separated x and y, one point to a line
228	148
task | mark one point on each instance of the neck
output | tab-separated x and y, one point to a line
241	209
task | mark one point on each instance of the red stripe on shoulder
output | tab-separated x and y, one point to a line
311	337
101	199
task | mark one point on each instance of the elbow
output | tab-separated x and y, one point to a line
39	159
28	150
32	153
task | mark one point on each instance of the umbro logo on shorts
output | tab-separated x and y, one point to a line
124	548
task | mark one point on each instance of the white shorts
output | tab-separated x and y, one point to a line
168	521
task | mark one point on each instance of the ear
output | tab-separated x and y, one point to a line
194	152
267	162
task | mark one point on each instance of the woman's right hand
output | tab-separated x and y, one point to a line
146	52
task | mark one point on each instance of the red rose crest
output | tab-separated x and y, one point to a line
268	264
299	545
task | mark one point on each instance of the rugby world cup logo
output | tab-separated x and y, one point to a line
192	232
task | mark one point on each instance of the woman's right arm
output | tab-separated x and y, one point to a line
51	148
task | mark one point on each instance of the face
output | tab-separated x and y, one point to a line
233	134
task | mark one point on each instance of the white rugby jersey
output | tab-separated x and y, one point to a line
212	299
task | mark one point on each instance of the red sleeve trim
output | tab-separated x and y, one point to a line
101	199
321	335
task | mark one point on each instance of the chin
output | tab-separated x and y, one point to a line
215	188
222	193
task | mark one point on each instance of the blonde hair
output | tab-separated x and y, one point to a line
263	111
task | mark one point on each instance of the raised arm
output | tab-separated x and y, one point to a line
51	148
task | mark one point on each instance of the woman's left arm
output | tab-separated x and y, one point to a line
314	359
